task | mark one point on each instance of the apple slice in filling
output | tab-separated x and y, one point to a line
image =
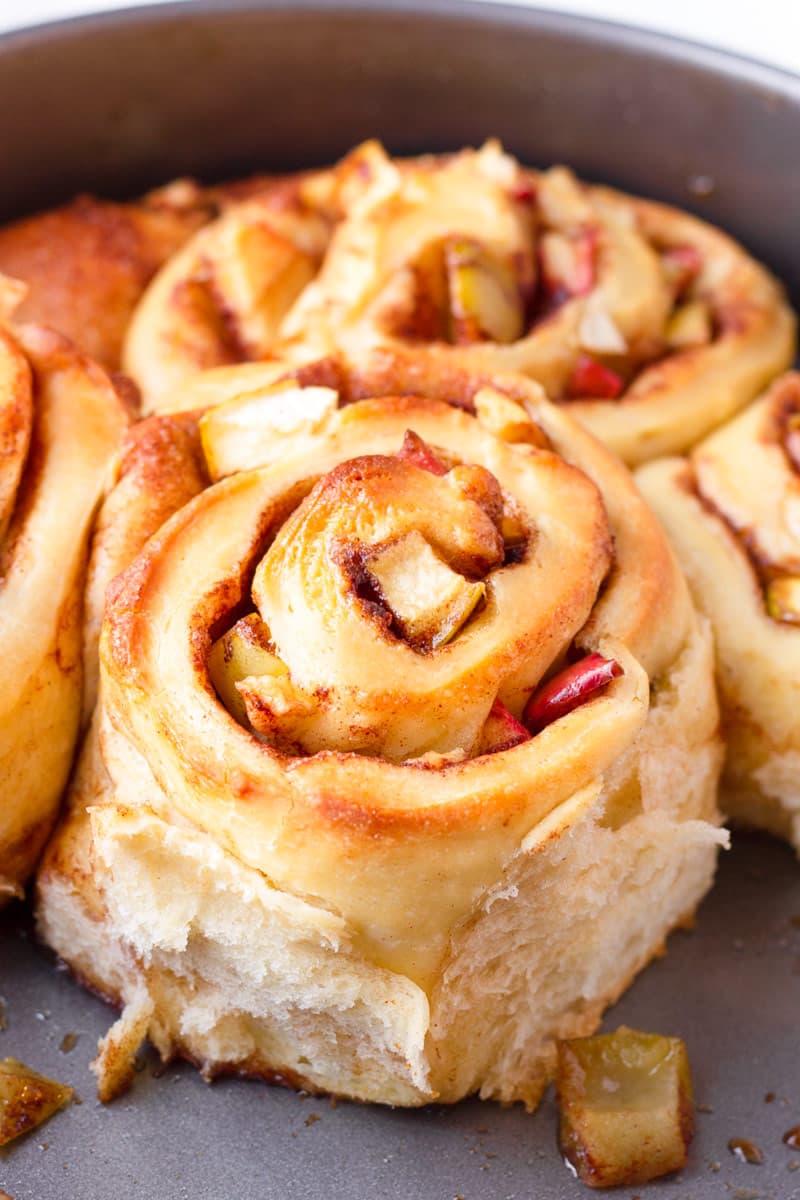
783	599
252	430
242	652
428	600
485	299
691	324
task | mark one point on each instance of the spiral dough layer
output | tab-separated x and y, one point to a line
60	425
413	655
732	510
652	325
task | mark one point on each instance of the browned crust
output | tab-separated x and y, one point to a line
87	264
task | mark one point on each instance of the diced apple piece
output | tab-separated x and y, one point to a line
563	200
485	299
690	324
783	599
682	265
26	1098
276	709
416	451
252	430
501	731
627	1109
506	419
241	652
514	533
569	688
594	381
429	601
568	264
599	333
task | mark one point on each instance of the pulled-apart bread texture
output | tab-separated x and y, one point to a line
61	424
406	751
732	511
654	326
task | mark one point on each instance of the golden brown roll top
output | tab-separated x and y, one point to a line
85	265
393	575
60	425
652	324
732	510
223	298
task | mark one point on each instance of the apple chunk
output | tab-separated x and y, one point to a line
691	324
569	688
485	299
783	599
259	274
242	652
429	601
253	429
26	1098
506	419
502	731
627	1109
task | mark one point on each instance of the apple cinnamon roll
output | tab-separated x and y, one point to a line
732	511
406	750
87	263
652	325
61	423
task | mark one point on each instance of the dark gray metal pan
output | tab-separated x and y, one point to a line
116	103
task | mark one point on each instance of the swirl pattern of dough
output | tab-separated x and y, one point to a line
406	751
61	423
732	510
653	325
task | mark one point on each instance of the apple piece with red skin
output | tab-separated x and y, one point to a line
569	688
502	731
592	380
682	265
416	451
524	193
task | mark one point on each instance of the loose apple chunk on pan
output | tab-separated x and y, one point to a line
26	1099
627	1110
429	601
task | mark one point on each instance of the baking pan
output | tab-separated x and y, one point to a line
116	103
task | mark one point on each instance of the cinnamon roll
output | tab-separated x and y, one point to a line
406	751
61	423
732	511
87	263
652	325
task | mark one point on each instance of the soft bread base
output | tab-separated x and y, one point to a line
214	964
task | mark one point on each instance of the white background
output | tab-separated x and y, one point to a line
765	29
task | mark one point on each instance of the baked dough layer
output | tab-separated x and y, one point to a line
61	422
732	510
